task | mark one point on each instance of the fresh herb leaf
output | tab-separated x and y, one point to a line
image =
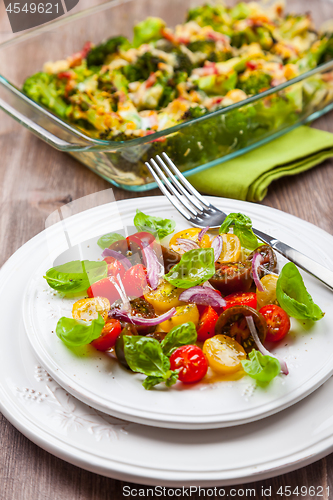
145	355
242	226
156	225
107	239
75	276
75	333
293	296
260	367
195	267
184	334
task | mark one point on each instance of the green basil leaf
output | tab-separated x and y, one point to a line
107	239
242	229
293	296
75	333
246	237
150	382
145	355
195	267
184	334
156	225
260	367
75	276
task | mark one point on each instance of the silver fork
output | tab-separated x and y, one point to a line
201	213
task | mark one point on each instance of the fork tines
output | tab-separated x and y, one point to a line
187	200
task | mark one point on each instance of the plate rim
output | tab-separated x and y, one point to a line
172	421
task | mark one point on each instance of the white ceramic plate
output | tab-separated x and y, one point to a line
36	405
101	382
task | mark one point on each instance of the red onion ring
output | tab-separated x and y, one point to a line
262	349
187	244
203	232
137	320
119	256
203	296
257	258
217	246
152	265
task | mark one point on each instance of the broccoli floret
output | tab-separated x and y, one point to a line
255	82
170	91
207	15
240	11
98	54
149	30
184	63
141	70
42	88
194	112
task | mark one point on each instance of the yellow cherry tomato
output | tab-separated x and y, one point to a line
164	297
189	234
88	309
183	315
231	250
224	354
268	296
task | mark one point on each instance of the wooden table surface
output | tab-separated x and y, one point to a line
34	181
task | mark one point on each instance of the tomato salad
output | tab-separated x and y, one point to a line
209	300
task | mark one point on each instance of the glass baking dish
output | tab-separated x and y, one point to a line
194	145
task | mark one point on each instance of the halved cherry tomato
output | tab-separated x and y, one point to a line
278	322
109	335
114	267
190	362
207	322
241	299
164	297
232	277
224	354
188	234
135	281
141	239
88	309
182	315
231	249
104	288
232	323
268	295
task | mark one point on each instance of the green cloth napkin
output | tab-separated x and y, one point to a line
248	176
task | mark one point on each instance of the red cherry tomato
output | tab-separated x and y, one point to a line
114	267
109	335
142	239
135	281
206	327
190	362
278	322
104	288
241	299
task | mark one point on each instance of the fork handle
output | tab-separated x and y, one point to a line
309	265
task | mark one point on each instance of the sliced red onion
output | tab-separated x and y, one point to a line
137	320
119	256
217	245
203	296
257	258
152	265
203	232
187	244
262	349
